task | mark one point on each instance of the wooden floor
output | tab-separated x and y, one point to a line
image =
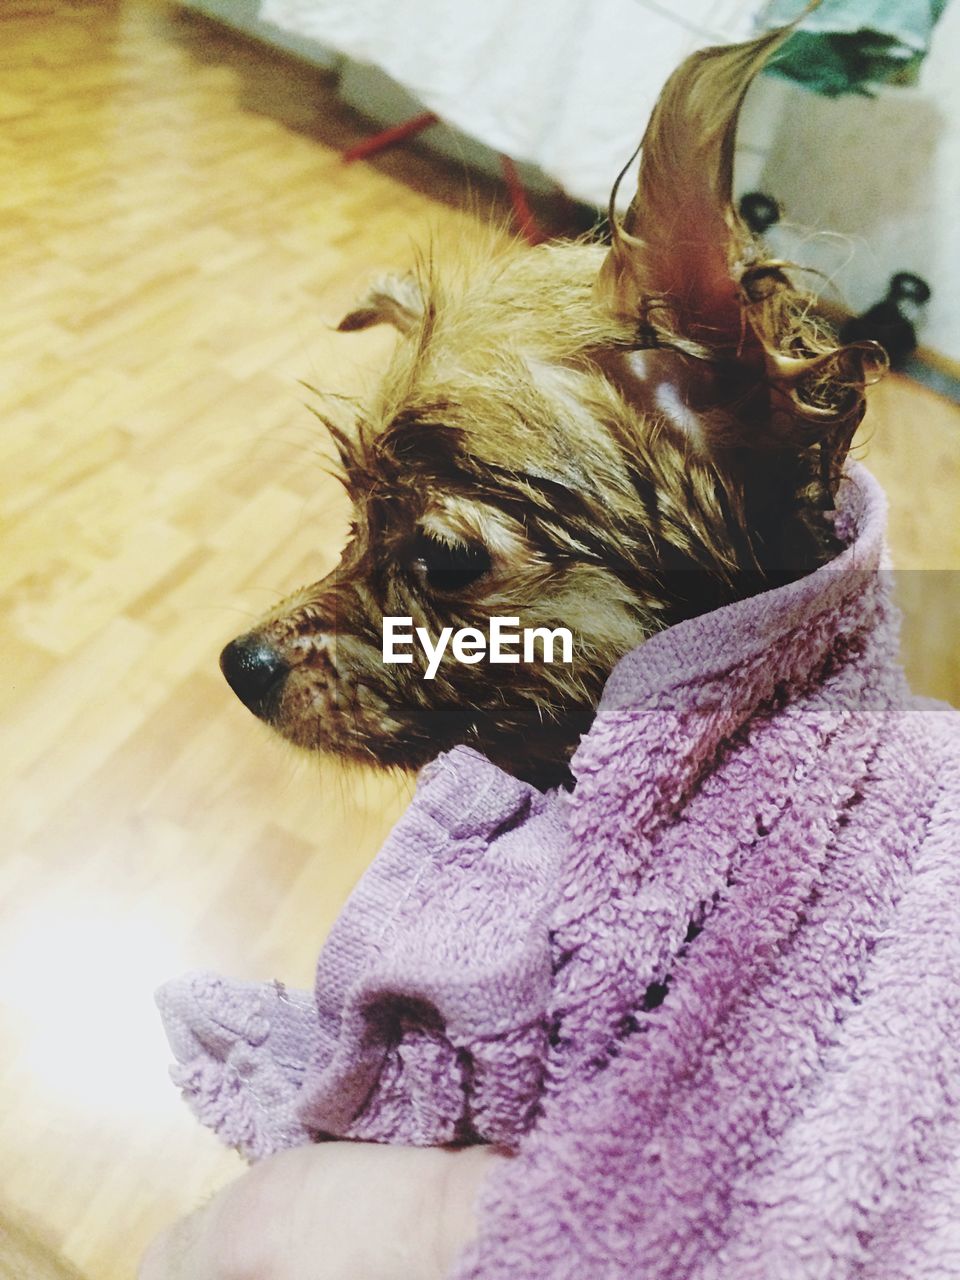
177	236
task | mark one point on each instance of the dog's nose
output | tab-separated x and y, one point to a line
255	672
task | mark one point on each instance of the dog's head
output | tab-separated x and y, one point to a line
607	439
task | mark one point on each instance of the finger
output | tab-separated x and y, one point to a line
173	1255
341	1210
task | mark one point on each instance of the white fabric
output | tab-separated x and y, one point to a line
565	84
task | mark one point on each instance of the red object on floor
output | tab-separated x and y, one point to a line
390	137
526	223
377	142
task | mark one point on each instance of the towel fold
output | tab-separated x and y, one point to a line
710	998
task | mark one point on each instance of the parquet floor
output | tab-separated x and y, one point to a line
177	235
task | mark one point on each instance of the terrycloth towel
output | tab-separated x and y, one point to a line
710	998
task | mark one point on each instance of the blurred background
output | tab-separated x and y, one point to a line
181	228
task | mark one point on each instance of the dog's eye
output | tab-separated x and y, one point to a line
448	566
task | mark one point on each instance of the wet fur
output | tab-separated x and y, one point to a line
631	434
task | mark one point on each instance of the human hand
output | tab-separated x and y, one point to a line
334	1211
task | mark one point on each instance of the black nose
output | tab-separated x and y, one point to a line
255	672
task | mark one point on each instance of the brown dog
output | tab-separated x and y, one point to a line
607	439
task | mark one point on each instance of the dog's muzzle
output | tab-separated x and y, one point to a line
255	672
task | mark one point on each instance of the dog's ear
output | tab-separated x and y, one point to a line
686	273
396	300
681	245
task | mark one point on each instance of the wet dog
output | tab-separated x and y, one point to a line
604	438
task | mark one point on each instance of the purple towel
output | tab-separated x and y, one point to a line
710	998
